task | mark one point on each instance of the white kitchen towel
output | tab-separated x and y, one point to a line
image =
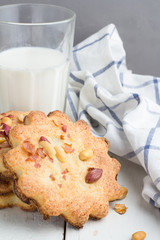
117	104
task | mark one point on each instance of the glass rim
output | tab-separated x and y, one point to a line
69	19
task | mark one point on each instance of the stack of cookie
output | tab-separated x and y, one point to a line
7	196
56	166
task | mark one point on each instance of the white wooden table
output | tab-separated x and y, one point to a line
18	225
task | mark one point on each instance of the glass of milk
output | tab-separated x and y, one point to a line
36	42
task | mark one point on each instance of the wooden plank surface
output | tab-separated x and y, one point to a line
16	224
139	216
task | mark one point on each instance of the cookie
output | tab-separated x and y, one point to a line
6	186
7	197
10	200
5	174
61	167
7	121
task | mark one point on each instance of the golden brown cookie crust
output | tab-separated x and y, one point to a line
10	200
6	186
59	185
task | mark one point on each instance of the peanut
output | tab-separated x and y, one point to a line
93	175
7	121
21	117
68	148
2	139
120	208
26	121
60	154
48	148
64	128
139	235
86	154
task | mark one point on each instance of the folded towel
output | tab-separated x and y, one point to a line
117	104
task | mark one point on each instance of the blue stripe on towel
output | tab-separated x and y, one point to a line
157	181
155	81
145	84
97	40
102	70
156	197
114	116
74	112
152	202
147	146
76	79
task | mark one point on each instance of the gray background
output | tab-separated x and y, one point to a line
137	21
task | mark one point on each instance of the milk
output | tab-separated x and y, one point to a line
33	78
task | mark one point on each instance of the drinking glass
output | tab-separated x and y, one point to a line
36	42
